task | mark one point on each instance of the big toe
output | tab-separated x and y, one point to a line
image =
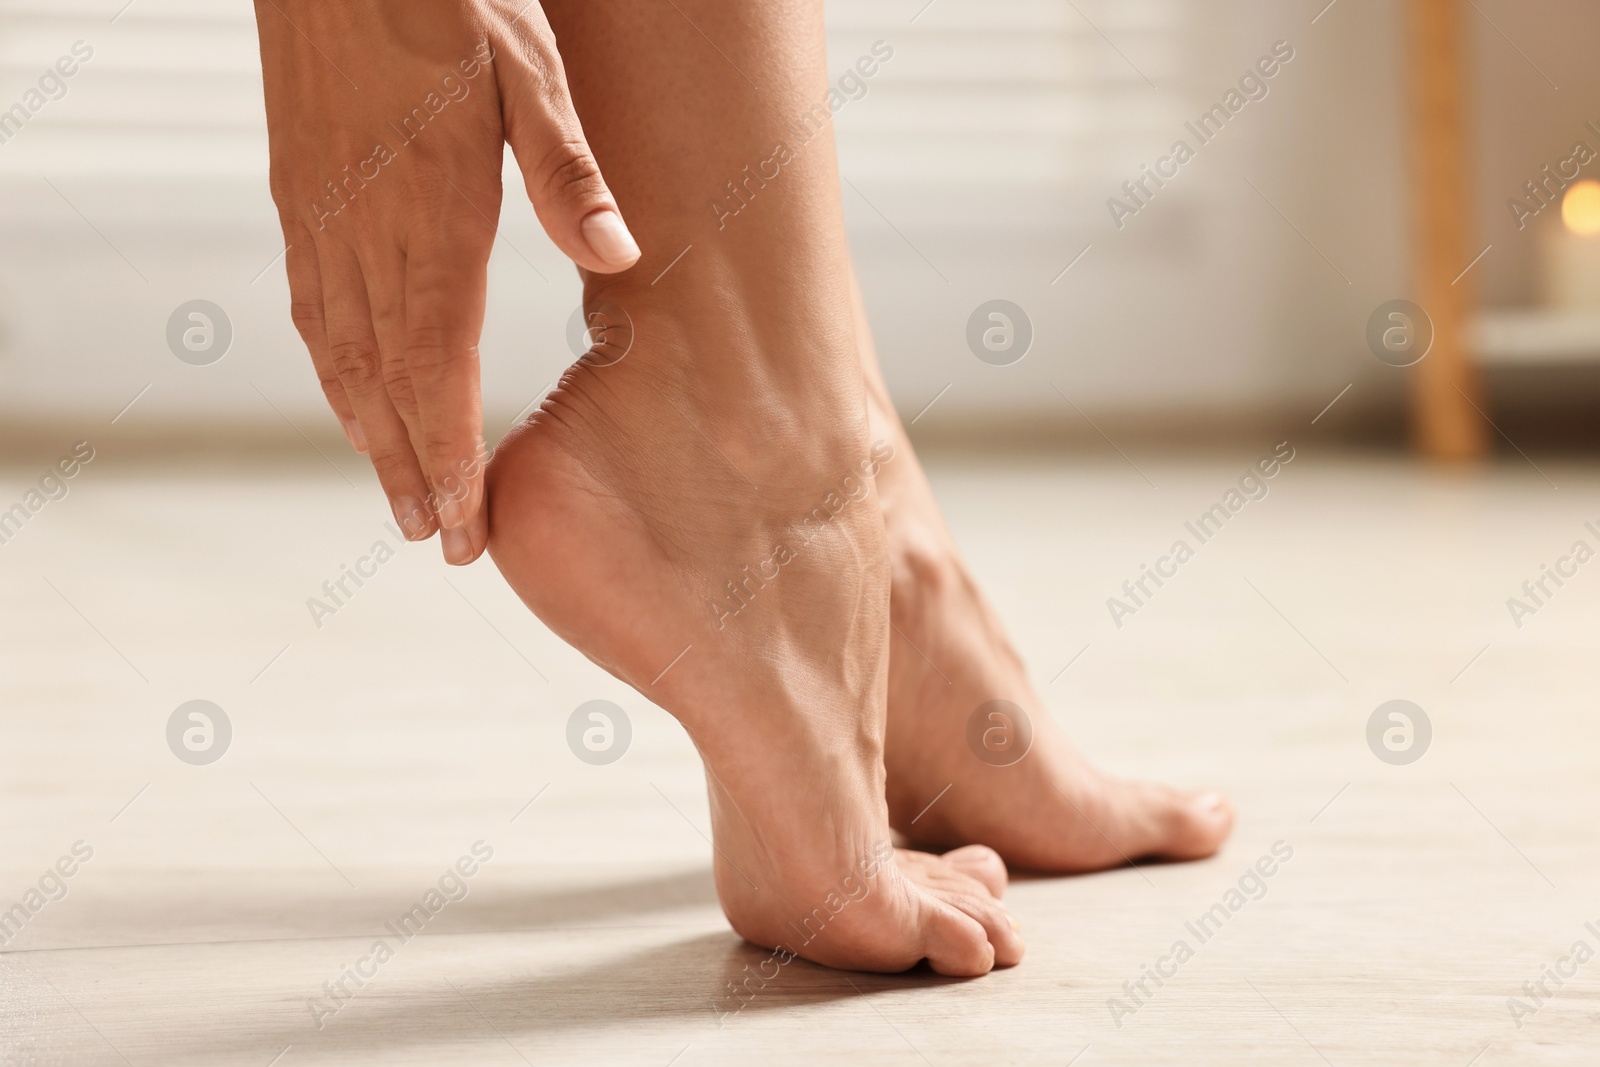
955	943
1199	825
1164	823
1112	822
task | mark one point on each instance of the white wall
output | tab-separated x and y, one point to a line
989	144
1207	300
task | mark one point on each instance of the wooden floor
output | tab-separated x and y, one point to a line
428	713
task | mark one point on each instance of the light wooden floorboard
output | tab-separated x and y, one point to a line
425	714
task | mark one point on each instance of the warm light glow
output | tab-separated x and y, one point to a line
1580	208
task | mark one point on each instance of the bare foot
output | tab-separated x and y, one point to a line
699	520
705	496
1051	810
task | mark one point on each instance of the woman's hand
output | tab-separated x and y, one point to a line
386	124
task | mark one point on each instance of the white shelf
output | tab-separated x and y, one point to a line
1535	337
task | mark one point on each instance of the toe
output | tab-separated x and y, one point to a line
982	863
963	885
956	944
1199	825
1105	822
1163	823
1002	930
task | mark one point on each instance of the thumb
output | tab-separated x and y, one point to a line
562	177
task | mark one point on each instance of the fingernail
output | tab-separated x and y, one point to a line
457	546
412	518
358	439
609	238
452	516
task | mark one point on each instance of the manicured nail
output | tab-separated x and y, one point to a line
452	516
412	518
457	546
609	238
358	439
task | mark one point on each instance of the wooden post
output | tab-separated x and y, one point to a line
1446	384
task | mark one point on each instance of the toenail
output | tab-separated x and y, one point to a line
1016	926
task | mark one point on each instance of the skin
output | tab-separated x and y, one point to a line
387	269
647	482
733	389
1050	811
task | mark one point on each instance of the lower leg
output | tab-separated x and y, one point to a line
697	516
1051	810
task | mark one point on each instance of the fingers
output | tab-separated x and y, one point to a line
445	290
562	177
383	273
354	357
306	309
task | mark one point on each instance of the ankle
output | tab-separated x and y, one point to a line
769	378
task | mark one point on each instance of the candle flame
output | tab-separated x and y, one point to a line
1580	208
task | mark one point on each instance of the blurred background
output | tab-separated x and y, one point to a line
979	162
